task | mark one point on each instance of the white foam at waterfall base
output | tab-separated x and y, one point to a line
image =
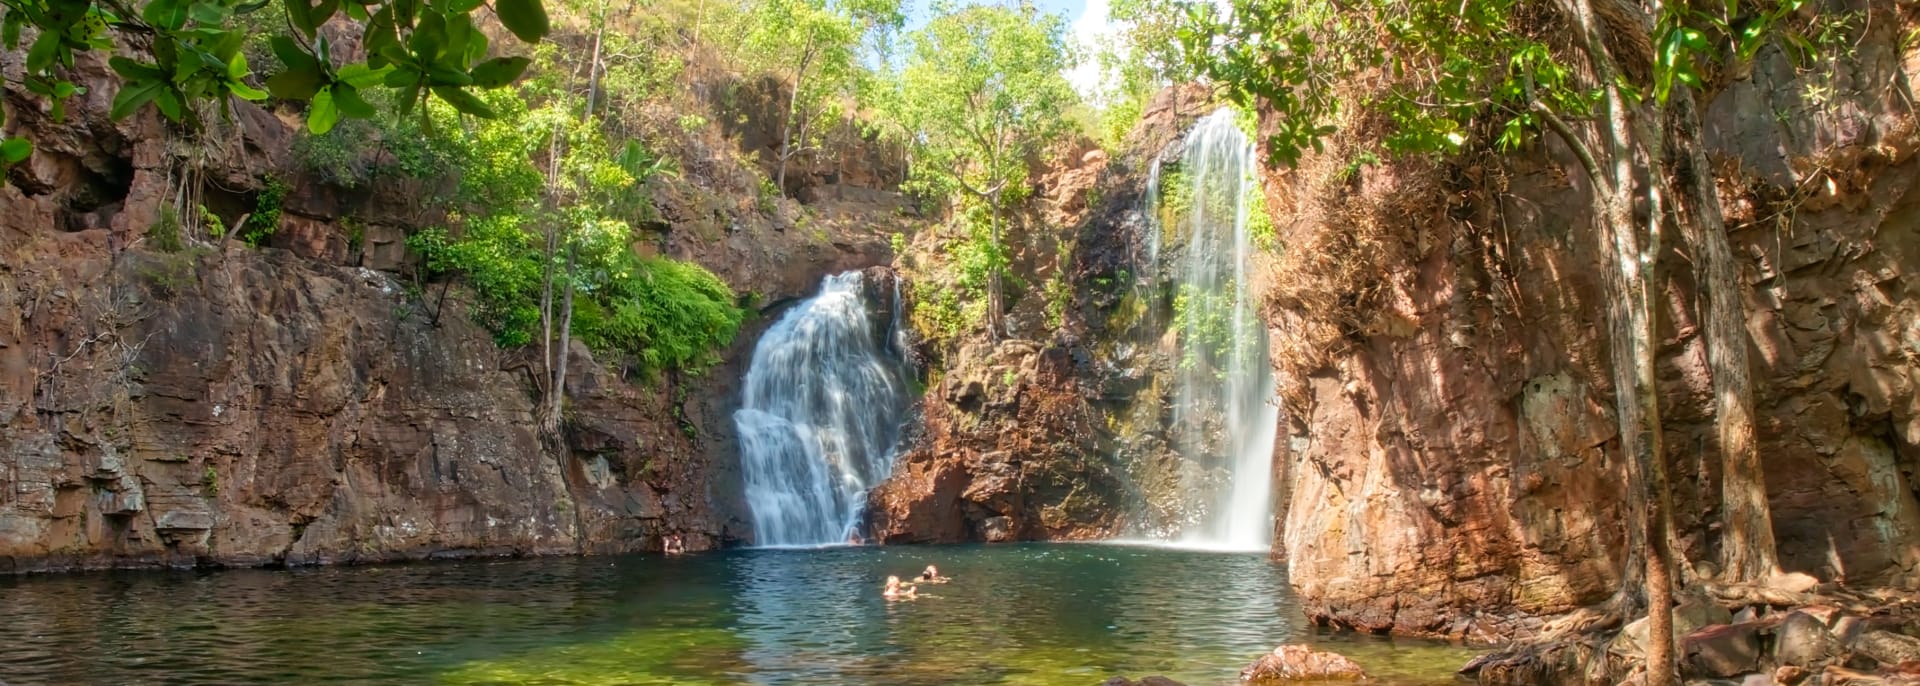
820	412
1234	377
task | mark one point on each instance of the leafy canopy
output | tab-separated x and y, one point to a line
981	94
1435	67
188	52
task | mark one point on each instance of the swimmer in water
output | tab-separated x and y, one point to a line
896	590
931	576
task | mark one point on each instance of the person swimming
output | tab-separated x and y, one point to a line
674	545
931	576
896	590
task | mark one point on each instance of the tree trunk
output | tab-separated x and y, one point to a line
793	108
556	398
1632	326
1747	550
994	296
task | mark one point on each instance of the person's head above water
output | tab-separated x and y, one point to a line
930	573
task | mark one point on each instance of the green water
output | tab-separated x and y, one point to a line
1018	614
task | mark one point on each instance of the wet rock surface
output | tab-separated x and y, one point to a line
1292	663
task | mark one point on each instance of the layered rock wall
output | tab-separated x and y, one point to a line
303	402
1451	447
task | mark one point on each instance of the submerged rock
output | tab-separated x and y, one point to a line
1144	681
1300	663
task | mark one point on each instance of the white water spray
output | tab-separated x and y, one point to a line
1223	413
820	413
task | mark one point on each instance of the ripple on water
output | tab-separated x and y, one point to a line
1018	614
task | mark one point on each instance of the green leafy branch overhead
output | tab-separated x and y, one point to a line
176	54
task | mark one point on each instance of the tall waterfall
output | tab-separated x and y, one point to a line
820	414
1224	417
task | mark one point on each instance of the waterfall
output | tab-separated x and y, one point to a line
821	410
1223	415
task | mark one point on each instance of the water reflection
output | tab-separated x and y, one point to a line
1028	614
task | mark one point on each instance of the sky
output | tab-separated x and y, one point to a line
1087	26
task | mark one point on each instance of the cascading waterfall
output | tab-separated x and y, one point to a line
820	413
1224	417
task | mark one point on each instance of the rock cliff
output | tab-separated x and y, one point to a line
1449	439
302	403
1448	453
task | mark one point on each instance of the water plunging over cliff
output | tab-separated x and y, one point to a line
820	413
1223	414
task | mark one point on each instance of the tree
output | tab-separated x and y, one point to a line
816	44
1610	94
188	52
982	95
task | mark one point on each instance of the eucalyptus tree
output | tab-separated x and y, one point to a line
983	95
1609	79
816	47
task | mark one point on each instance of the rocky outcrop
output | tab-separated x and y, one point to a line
1299	663
1844	639
216	404
1003	450
1449	439
1053	435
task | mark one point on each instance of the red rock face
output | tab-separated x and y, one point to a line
1453	463
1003	451
232	406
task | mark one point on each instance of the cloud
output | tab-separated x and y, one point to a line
1089	34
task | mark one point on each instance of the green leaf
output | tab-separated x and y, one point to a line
499	71
43	53
527	19
291	54
15	150
245	91
323	115
464	6
324	11
465	102
428	38
397	56
132	96
237	66
362	76
209	13
412	98
300	14
295	84
169	103
10	26
166	14
348	100
134	70
442	76
402	77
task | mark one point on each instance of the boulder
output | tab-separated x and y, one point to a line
1721	650
1300	663
1789	675
1803	641
997	529
1887	648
